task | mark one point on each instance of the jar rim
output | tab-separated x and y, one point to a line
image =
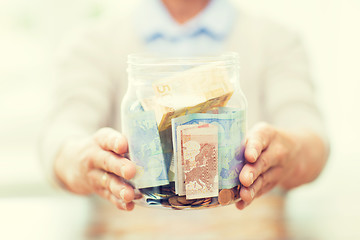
148	59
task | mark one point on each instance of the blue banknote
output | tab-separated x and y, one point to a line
145	150
231	124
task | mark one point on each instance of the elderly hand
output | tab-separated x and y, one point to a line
269	153
97	165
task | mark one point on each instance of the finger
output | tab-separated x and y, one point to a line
258	139
263	183
266	188
119	203
251	171
111	140
112	183
113	163
241	205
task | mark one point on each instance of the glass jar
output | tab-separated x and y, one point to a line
185	121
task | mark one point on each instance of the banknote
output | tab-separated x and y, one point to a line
231	130
145	150
177	95
167	148
199	156
164	114
165	136
179	163
230	170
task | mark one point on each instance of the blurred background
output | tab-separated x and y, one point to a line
30	31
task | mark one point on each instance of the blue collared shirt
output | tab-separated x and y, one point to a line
202	35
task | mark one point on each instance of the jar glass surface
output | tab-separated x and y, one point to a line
185	121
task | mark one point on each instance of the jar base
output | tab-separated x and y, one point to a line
164	197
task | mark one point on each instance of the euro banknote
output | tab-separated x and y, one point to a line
177	95
231	130
145	150
199	158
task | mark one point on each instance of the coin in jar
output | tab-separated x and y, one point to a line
198	207
184	201
207	201
237	191
175	203
226	196
198	201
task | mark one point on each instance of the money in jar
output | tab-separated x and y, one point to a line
185	122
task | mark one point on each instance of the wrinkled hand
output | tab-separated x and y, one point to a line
97	165
269	154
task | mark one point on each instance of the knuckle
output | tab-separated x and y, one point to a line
99	135
105	160
264	162
104	135
263	127
92	178
113	185
106	194
110	184
281	152
105	163
86	158
255	142
265	130
262	181
87	163
104	131
259	193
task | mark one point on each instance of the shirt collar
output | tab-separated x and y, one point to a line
152	20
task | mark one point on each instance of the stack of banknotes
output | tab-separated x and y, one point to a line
185	141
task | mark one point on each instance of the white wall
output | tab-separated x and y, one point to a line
30	31
328	208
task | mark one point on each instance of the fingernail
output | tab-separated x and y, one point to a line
116	144
123	204
252	193
123	170
122	194
251	177
254	154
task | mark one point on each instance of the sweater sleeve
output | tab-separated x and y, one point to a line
289	92
83	96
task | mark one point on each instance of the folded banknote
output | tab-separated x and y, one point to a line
177	95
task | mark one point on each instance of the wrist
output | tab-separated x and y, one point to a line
67	162
307	158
